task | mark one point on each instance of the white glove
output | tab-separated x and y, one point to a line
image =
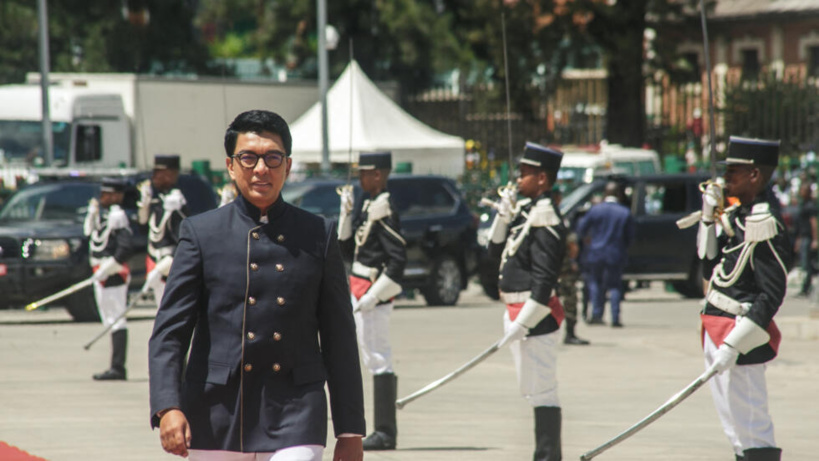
145	191
173	201
366	303
506	205
91	216
725	358
152	279
347	200
109	266
711	198
515	332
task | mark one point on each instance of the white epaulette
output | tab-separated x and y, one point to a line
117	219
379	208
543	214
760	225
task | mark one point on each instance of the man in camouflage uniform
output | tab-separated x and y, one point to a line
569	276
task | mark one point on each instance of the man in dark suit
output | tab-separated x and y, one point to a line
610	230
260	286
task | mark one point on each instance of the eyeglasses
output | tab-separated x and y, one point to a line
248	160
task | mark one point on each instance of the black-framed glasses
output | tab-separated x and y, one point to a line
248	160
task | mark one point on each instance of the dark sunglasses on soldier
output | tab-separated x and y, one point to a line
248	160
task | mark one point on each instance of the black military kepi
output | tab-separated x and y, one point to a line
541	156
166	162
112	185
375	160
747	151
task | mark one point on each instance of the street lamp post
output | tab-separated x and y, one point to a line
42	36
323	83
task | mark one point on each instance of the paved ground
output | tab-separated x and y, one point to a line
50	407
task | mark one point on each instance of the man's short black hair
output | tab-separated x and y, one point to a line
257	121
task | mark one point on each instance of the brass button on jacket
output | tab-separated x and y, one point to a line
276	367
251	300
254	266
255	235
251	336
279	267
280	301
277	336
248	367
280	238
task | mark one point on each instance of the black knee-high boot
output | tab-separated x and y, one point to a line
570	336
763	454
384	389
547	434
119	349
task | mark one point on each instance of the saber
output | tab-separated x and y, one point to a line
663	409
712	124
400	403
131	305
60	294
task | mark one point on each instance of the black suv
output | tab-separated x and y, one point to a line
42	247
440	231
660	250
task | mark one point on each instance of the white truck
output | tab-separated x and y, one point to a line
104	121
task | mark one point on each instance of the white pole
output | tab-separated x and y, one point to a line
323	83
42	37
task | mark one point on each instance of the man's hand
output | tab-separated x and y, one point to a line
173	201
366	303
725	358
348	449
175	433
711	199
515	332
93	207
506	205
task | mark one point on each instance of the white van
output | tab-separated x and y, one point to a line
581	165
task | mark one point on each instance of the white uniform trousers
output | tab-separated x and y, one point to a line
741	398
536	366
159	290
373	330
297	453
111	303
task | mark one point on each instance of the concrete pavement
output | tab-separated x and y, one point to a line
50	407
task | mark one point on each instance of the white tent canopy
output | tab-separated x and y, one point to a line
376	123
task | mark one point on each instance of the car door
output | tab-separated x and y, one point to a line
660	250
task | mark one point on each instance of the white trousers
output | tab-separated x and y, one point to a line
111	303
159	290
298	453
373	331
535	360
741	398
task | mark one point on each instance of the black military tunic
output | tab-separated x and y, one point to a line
163	226
111	239
533	264
267	304
377	244
760	280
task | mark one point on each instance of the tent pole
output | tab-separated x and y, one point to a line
323	84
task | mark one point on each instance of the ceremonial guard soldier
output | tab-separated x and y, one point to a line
260	287
109	241
746	254
530	239
162	208
379	256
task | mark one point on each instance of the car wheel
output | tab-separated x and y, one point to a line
692	287
445	283
82	306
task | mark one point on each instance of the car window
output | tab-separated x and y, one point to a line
421	197
664	198
48	202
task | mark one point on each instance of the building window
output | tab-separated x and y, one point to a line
750	64
813	61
